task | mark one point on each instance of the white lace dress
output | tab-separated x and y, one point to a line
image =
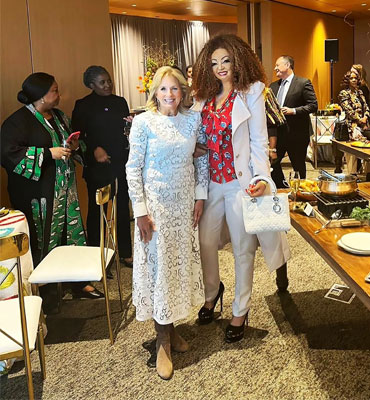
164	181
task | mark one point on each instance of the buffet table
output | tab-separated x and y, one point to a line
351	268
362	153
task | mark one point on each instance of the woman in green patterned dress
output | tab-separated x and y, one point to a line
41	173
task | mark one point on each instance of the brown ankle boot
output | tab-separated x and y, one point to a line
178	343
164	362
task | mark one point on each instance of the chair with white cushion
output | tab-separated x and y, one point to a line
20	324
87	263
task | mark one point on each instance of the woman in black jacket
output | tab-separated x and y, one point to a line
101	118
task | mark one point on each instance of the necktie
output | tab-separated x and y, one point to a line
281	92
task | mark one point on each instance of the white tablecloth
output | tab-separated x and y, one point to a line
14	222
324	127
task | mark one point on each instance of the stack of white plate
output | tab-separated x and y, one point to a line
356	243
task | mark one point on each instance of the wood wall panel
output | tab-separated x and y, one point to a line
67	36
362	44
15	65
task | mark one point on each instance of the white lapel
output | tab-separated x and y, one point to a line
240	111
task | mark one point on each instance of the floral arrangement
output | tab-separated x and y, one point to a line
333	107
155	56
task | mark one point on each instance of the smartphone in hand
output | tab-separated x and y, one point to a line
73	136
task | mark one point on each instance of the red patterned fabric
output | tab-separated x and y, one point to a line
217	125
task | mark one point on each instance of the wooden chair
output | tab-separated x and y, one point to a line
20	322
87	263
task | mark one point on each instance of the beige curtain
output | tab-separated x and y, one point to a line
128	59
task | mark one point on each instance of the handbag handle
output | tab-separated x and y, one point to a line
267	179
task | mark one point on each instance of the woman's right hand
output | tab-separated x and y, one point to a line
57	153
200	150
146	228
101	155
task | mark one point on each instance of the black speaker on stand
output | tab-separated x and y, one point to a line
332	56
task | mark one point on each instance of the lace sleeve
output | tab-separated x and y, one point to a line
201	166
135	165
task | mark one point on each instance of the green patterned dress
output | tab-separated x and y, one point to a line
42	188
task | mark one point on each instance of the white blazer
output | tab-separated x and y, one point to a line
250	147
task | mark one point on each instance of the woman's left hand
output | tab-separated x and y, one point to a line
200	150
257	190
198	211
73	144
129	119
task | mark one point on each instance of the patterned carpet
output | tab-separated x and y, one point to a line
298	345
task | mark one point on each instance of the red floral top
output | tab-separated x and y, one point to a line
217	125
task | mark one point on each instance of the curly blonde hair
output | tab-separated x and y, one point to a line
245	64
152	103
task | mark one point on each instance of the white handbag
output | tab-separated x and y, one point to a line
268	213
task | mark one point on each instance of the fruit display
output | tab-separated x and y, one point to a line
333	107
308	185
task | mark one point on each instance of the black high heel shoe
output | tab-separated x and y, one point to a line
235	333
206	315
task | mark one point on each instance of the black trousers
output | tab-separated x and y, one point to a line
296	147
123	218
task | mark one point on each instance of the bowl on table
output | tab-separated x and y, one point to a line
306	189
305	196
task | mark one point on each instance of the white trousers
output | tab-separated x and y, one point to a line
224	201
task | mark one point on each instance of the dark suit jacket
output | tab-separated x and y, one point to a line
100	120
301	96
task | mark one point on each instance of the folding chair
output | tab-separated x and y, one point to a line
87	263
20	322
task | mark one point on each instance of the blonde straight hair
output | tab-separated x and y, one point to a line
152	103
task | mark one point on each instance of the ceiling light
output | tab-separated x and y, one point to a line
133	5
124	12
333	10
364	4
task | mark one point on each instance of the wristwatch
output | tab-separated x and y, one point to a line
272	150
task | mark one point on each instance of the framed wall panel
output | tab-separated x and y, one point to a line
15	64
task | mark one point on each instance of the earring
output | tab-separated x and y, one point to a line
42	100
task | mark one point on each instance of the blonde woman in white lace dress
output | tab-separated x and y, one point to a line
167	188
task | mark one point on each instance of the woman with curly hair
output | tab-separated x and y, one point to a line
228	82
353	103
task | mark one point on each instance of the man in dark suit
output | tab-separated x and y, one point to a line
297	99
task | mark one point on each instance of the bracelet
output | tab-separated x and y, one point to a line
272	150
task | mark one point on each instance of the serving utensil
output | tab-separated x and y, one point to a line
336	215
330	176
342	185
